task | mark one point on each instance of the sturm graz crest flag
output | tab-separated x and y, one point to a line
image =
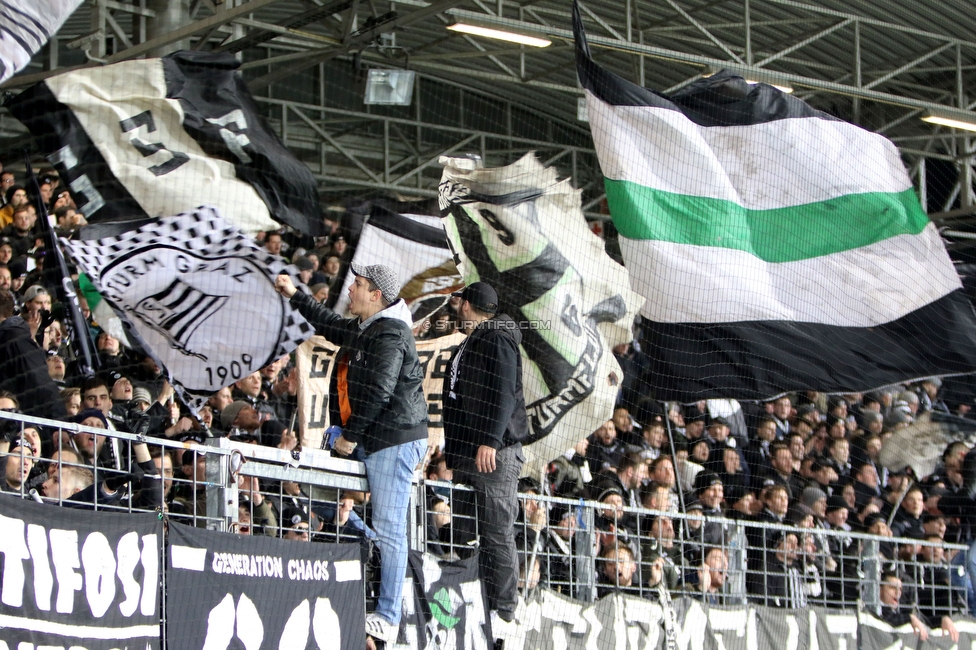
157	137
199	296
521	230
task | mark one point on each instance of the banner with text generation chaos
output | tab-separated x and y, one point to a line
236	591
72	578
314	360
444	606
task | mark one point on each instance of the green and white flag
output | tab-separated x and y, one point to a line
777	248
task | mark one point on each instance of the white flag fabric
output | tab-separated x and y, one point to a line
413	245
521	230
25	27
198	294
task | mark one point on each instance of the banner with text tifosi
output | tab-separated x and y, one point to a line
73	578
314	360
261	593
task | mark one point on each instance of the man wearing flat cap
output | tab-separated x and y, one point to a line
377	397
484	425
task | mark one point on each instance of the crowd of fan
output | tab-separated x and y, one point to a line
808	461
797	474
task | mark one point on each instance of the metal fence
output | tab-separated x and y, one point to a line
580	548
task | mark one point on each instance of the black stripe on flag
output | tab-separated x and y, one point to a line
405	227
61	137
211	90
691	362
724	99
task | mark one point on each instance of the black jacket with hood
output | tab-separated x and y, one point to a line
23	371
385	379
486	405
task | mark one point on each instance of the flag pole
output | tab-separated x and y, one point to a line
81	341
674	456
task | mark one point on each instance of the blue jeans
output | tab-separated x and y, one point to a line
390	472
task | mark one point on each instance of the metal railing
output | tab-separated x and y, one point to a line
581	548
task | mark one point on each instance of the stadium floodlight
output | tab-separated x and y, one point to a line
498	34
964	120
389	87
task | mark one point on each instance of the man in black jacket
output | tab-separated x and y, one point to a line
23	368
377	396
484	425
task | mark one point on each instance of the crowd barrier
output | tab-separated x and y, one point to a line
230	485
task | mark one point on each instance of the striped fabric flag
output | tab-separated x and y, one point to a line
25	27
777	248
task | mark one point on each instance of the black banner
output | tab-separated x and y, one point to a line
78	579
444	606
232	591
875	634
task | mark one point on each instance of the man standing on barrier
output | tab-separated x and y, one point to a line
484	425
377	395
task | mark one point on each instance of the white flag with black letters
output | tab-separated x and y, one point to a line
141	139
199	295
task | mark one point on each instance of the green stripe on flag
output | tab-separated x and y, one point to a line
775	235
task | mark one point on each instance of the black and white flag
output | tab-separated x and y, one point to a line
521	230
157	137
230	591
444	606
78	579
25	27
413	245
199	295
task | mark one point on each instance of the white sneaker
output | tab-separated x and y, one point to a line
381	629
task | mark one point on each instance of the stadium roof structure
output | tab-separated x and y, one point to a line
884	65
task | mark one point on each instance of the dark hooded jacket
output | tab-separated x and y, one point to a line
23	371
486	405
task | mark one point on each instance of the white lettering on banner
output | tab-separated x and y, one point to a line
593	634
43	580
225	622
14	552
308	570
99	563
793	634
99	567
691	628
64	550
642	618
474	616
128	560
150	574
252	566
843	625
295	632
814	640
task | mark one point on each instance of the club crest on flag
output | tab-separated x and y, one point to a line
185	284
177	311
